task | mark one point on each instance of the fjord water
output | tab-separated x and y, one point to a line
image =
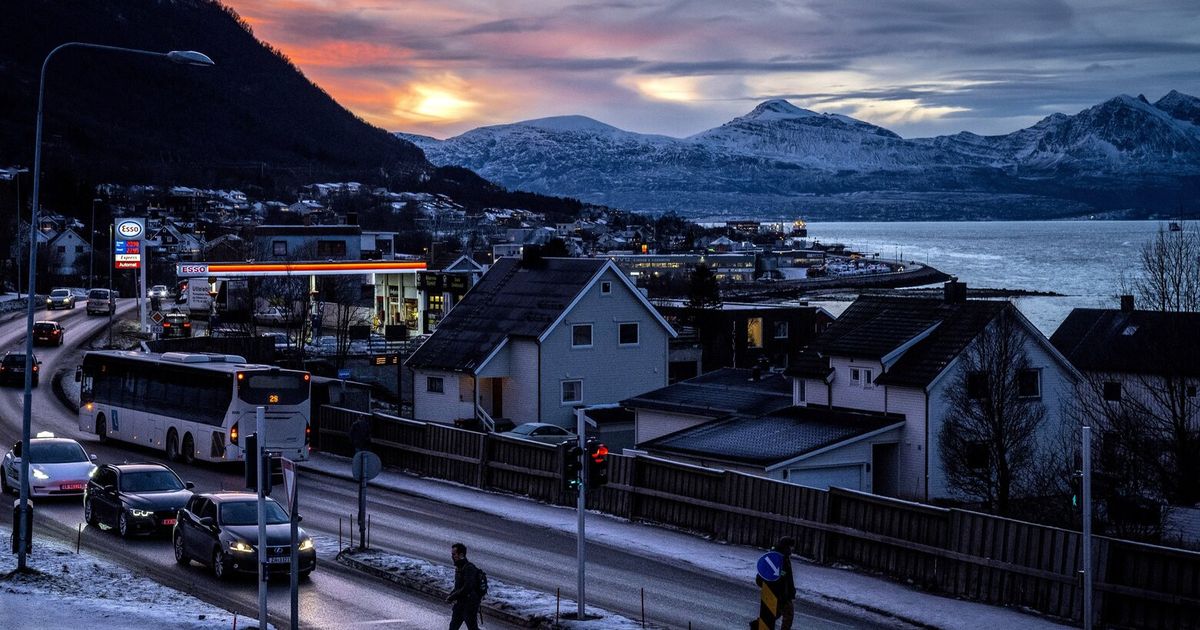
1082	260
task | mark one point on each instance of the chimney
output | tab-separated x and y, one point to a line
954	292
1126	303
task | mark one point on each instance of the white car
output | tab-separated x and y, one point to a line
275	316
541	432
58	467
158	291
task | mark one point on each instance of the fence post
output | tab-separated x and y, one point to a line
825	539
634	481
481	475
1101	548
722	524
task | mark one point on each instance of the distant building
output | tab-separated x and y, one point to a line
307	242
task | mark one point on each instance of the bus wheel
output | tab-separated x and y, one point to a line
189	449
172	446
102	428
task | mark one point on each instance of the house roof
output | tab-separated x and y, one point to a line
720	393
1137	342
510	300
876	325
809	365
772	438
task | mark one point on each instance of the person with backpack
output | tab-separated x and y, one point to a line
470	585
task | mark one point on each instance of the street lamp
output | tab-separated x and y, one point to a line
92	247
24	522
18	172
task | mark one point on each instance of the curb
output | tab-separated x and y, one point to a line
421	587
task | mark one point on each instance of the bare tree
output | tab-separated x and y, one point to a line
1168	275
989	439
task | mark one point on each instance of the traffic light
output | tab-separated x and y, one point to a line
1076	483
570	466
597	462
253	474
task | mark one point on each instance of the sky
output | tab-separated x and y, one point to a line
678	67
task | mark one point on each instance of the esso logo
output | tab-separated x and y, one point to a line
199	269
129	229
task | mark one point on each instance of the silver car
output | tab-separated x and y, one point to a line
58	466
541	432
60	298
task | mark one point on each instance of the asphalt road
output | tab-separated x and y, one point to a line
676	596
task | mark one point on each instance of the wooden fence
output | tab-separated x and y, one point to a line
964	554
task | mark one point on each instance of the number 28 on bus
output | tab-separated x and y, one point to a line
193	406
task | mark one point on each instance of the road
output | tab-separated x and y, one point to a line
677	595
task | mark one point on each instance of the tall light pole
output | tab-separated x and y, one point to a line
24	522
18	248
92	247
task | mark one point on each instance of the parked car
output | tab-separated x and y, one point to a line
275	316
101	302
57	466
80	294
176	324
49	333
158	291
135	498
220	529
541	432
12	368
60	298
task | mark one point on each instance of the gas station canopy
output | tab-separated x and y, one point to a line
282	269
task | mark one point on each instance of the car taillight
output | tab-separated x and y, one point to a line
166	324
35	368
233	433
307	432
187	324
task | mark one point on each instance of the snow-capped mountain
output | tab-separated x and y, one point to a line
780	159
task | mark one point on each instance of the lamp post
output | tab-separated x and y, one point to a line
18	249
24	522
92	247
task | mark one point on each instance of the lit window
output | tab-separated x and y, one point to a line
629	334
581	336
754	332
572	391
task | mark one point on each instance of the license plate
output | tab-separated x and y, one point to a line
168	521
71	486
283	560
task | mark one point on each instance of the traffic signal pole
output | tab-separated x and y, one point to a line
581	508
264	471
1087	528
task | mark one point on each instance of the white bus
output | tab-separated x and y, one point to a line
194	406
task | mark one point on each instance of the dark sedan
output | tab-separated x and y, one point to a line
135	498
48	333
220	530
12	368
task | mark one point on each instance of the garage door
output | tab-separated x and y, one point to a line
840	476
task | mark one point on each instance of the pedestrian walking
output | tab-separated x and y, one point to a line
360	434
467	593
787	584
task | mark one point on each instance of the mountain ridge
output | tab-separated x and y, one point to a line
1122	153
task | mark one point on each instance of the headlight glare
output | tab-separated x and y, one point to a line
140	513
238	545
38	474
306	544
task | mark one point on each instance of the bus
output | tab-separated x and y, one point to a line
193	405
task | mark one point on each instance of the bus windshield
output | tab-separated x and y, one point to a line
273	388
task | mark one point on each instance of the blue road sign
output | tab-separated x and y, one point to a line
770	565
343	373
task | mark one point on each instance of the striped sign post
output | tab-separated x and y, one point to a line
770	566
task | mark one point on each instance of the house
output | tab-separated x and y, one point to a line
717	395
307	242
66	253
1141	393
907	356
537	337
868	401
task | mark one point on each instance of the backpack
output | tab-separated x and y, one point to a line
481	583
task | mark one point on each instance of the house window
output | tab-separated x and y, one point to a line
977	385
572	392
79	249
629	334
279	248
977	455
781	330
605	287
855	375
801	394
330	249
1112	391
754	332
62	249
862	376
1191	391
581	336
434	385
1029	383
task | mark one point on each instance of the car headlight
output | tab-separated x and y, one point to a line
306	544
238	545
48	300
37	474
140	513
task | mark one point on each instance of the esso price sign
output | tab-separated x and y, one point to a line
129	229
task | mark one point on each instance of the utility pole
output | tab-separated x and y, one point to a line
263	473
581	509
1087	528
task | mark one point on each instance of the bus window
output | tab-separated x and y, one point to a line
273	388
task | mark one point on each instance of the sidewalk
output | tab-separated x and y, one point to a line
837	588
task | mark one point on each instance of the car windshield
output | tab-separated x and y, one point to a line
60	293
44	326
150	481
246	513
56	453
98	294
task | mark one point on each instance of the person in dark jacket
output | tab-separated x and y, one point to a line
466	595
787	584
360	434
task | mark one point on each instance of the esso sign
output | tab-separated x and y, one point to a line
129	230
191	270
